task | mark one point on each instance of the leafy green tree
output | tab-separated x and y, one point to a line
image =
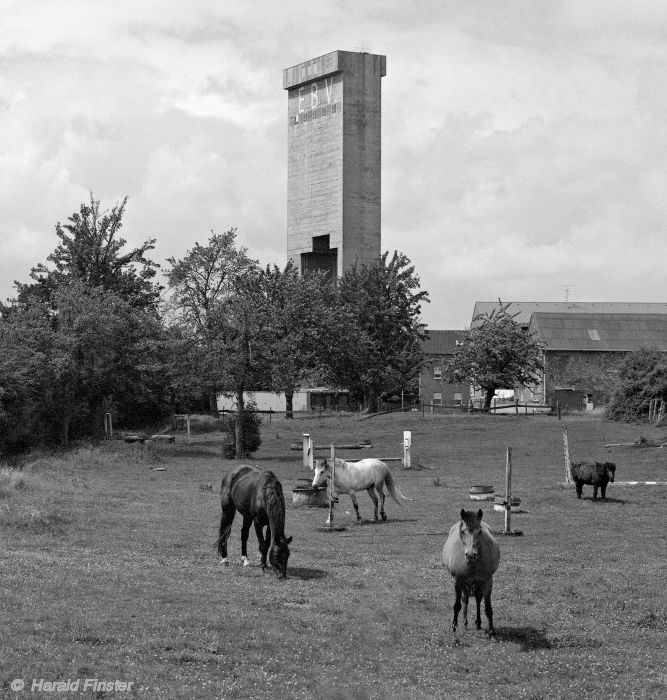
64	367
201	283
496	354
90	323
220	303
642	377
385	353
90	250
304	314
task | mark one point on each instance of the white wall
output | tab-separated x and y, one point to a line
266	401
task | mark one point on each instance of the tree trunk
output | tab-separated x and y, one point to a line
213	402
289	403
372	401
490	393
238	424
64	428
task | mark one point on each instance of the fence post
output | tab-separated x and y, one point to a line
407	443
307	451
566	452
508	490
332	490
187	423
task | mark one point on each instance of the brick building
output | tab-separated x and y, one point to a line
434	389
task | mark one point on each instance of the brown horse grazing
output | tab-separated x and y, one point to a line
471	556
258	496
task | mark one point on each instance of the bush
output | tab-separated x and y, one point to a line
251	421
642	377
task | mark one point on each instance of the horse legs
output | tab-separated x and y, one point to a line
478	600
371	492
380	491
465	595
356	506
580	487
595	492
245	532
228	513
458	589
485	592
263	542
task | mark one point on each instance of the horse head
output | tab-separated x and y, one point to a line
278	556
470	531
610	468
321	468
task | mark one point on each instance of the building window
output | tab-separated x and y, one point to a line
437	398
458	398
595	335
437	373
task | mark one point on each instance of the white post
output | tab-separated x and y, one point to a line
307	451
187	423
407	443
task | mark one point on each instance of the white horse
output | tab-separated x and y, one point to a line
366	475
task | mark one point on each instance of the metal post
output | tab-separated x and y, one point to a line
407	443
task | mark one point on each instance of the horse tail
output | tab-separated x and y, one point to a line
394	491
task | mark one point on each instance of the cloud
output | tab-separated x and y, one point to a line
523	143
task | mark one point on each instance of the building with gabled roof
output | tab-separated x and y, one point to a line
434	389
584	351
525	309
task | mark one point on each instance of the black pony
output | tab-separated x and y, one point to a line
258	496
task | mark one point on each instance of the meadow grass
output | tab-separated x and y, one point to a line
109	570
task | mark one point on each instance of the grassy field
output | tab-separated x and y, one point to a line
109	571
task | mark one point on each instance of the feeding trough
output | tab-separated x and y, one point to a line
307	495
500	503
481	493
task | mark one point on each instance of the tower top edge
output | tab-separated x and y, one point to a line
333	62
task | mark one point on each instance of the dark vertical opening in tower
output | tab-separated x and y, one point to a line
322	258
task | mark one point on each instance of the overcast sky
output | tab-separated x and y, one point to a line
524	142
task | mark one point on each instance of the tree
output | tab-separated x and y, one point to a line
219	303
201	282
63	367
90	251
642	377
304	314
386	353
496	354
91	321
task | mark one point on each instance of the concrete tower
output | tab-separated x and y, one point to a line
333	171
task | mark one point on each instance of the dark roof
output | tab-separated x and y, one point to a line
524	309
442	342
604	332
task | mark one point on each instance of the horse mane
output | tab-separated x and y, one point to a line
274	503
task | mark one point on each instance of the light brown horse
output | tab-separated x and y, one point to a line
471	556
